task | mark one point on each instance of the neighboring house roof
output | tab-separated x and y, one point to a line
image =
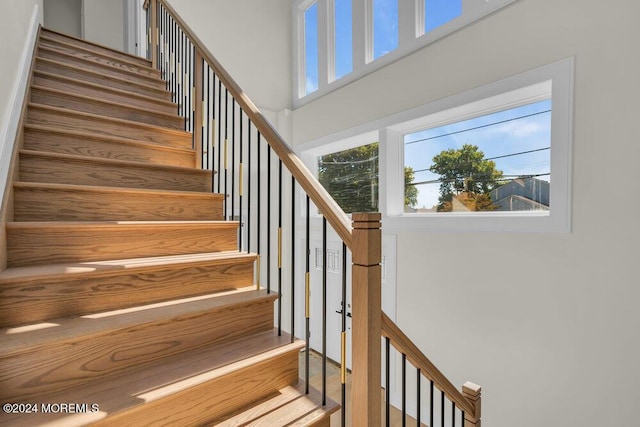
522	194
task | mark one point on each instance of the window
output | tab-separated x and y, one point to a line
439	12
343	39
495	162
311	48
351	177
385	27
339	41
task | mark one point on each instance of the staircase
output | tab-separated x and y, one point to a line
124	293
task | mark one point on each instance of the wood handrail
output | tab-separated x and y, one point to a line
317	193
403	344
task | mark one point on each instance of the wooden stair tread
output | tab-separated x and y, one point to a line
290	407
87	73
114	162
122	122
134	61
173	376
103	189
113	104
106	68
25	275
68	330
52	33
113	225
96	86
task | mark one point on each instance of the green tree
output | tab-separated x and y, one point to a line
351	177
410	191
465	170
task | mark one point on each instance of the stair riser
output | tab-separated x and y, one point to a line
97	78
79	88
39	246
100	49
34	168
209	402
103	126
67	143
27	375
50	204
26	303
95	106
109	60
104	69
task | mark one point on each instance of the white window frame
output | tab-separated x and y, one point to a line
521	89
411	37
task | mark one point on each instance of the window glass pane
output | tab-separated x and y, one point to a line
343	39
351	177
496	162
385	27
311	48
439	12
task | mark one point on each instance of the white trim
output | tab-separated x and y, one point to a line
11	119
363	63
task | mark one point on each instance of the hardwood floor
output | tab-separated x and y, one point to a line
334	390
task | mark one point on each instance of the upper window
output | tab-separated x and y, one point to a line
338	41
311	48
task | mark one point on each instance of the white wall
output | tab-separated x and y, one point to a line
104	22
251	39
63	16
17	28
548	324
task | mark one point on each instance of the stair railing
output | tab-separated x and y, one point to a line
232	138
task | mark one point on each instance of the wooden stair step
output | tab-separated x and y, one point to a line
85	44
107	69
75	72
86	122
36	166
289	407
80	87
84	348
95	55
34	201
36	293
88	104
88	144
188	389
40	243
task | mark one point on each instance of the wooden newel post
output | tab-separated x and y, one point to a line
473	394
367	318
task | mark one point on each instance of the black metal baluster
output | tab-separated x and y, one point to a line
268	219
221	143
292	252
343	367
240	183
280	247
212	131
233	158
324	311
453	414
249	186
462	419
307	281
258	211
226	148
418	395
387	380
442	408
404	390
431	405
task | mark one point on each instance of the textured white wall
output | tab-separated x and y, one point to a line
15	51
251	39
104	22
64	16
547	323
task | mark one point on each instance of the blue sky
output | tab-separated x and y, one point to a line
506	133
